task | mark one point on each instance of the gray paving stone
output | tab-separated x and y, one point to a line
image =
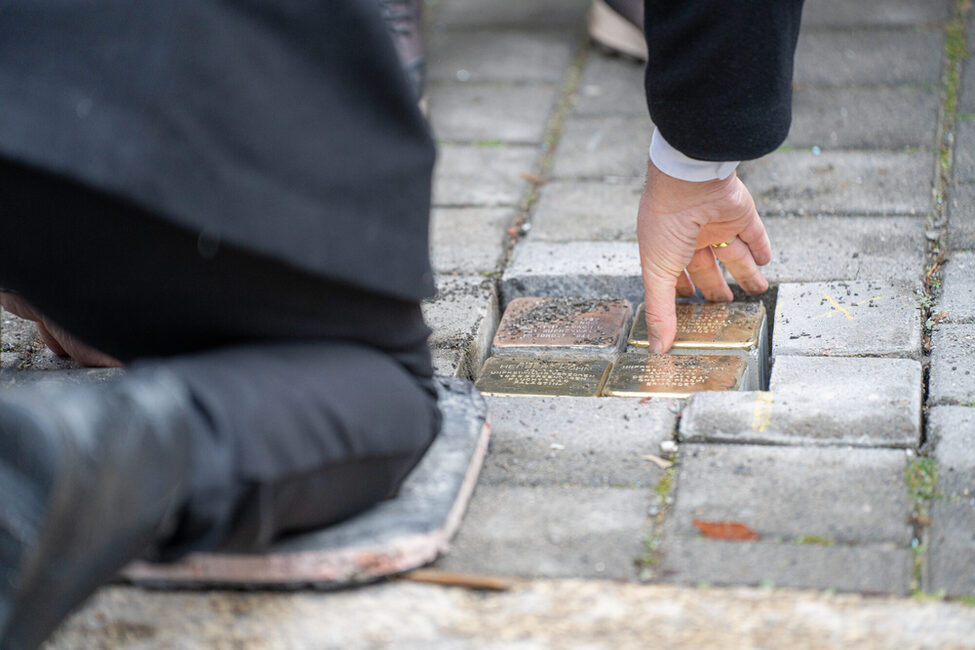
874	13
463	316
596	147
806	249
847	319
966	96
611	86
469	240
812	508
963	169
869	57
469	175
951	553
504	13
551	532
490	55
581	269
958	289
878	118
490	112
874	568
587	441
816	401
841	182
952	373
451	362
849	496
961	216
587	211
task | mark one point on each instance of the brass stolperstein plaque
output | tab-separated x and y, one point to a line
542	377
709	325
638	374
562	323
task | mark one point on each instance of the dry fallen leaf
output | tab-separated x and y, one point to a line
534	178
940	316
662	463
725	530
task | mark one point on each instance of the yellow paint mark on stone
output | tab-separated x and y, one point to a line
762	414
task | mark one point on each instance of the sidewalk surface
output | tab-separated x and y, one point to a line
856	474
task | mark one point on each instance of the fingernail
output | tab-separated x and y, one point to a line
656	347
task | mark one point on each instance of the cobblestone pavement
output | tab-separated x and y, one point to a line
856	473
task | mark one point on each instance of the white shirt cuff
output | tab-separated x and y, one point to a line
674	163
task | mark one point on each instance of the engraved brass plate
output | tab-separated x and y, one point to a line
540	377
709	325
638	374
562	323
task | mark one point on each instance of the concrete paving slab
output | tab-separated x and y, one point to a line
499	55
551	532
966	95
611	86
808	249
399	534
569	614
952	371
576	441
596	147
847	319
490	112
539	14
470	175
824	517
864	118
961	216
963	169
872	568
841	182
587	211
816	401
874	13
869	57
958	289
451	362
463	316
469	240
843	495
580	269
951	552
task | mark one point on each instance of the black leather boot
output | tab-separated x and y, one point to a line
90	476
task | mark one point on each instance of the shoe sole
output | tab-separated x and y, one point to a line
612	30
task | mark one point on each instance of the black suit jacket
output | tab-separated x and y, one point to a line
280	126
719	78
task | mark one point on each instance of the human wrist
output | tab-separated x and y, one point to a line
673	163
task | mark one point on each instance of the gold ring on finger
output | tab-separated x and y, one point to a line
723	244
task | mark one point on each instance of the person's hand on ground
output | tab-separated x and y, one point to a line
61	342
677	225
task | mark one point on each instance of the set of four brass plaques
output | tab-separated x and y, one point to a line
578	347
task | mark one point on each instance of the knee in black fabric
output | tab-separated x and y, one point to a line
315	432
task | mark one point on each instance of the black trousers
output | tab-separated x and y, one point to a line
315	399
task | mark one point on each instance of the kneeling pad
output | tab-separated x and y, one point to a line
397	535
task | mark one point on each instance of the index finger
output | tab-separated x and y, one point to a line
660	297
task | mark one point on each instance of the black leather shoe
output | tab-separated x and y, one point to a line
90	476
403	22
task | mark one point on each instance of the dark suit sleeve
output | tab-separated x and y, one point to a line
719	78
